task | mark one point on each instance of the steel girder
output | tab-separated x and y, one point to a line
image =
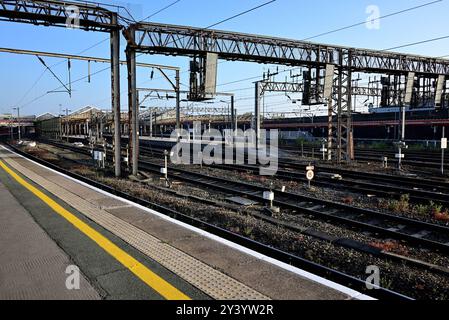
57	13
270	86
189	41
340	132
365	91
195	110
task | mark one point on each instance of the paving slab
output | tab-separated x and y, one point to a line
32	266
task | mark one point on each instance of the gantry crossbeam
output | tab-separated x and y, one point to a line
58	13
190	41
270	86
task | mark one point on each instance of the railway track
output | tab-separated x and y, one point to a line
418	232
310	266
425	159
419	190
354	183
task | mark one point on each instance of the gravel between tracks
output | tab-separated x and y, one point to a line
412	281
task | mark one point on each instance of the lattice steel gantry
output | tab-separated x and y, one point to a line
338	63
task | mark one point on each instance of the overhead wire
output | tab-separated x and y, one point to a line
212	25
160	10
372	20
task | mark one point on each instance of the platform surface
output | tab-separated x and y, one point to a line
32	266
123	251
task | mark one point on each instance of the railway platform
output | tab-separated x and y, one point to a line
63	239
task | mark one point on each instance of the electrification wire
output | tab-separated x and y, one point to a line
149	17
241	14
54	65
74	81
210	26
31	88
417	43
402	46
372	20
95	44
160	10
102	70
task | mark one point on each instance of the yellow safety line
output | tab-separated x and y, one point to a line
161	286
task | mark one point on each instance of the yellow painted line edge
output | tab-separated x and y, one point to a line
154	281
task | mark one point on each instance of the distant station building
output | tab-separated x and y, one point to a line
84	123
10	124
48	125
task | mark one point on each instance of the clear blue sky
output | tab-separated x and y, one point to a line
296	19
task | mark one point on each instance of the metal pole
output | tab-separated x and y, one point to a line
442	152
115	92
232	115
69	67
236	122
402	142
328	95
339	115
178	101
257	114
166	165
133	105
403	123
151	122
167	184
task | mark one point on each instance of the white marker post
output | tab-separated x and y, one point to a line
269	196
310	174
385	162
400	156
323	148
164	170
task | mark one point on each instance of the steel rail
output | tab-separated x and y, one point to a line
320	270
398	227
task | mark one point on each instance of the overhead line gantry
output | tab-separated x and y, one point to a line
336	63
